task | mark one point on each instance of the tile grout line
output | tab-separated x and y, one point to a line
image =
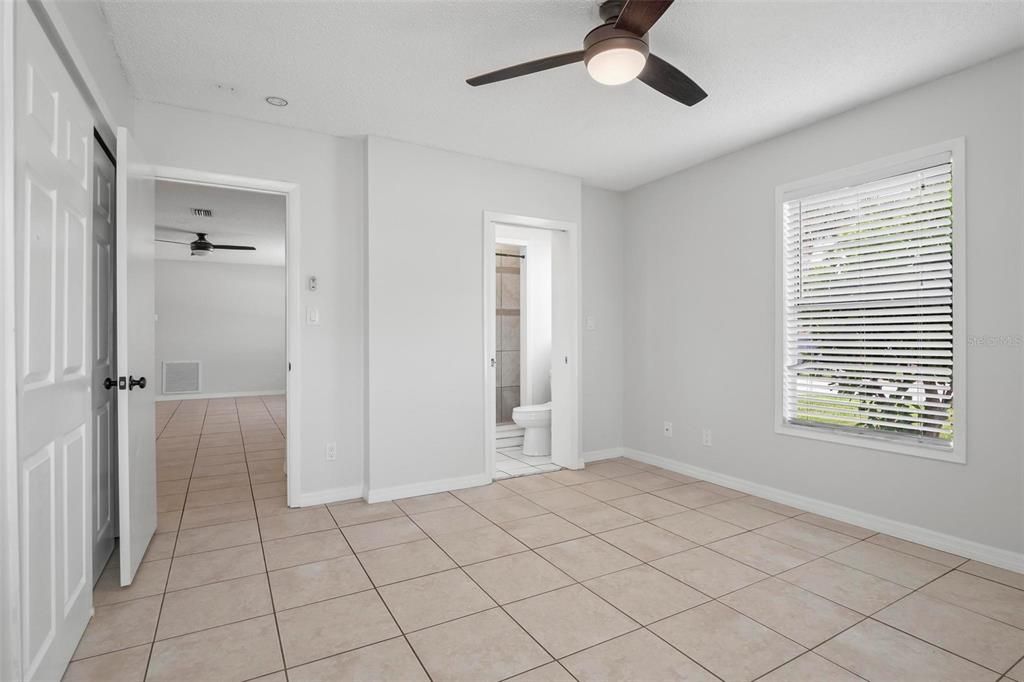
181	518
768	576
576	582
263	551
478	586
376	590
407	515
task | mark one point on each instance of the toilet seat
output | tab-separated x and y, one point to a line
534	408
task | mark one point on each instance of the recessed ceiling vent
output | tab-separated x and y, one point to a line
202	212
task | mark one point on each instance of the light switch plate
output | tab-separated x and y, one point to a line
312	316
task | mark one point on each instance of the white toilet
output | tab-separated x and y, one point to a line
536	423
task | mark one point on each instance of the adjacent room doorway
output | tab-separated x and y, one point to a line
531	344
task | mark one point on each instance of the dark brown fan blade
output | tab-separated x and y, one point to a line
232	247
168	241
639	15
527	68
671	82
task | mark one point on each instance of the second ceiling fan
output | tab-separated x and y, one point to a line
616	52
202	246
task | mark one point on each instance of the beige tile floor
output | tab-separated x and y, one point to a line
619	572
511	462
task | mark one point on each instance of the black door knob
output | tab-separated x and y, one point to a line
109	383
133	382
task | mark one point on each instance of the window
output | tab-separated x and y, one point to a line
870	302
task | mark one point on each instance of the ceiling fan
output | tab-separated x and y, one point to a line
616	52
202	247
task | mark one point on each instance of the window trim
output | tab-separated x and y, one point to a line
952	151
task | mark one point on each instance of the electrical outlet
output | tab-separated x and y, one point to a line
668	429
332	452
705	437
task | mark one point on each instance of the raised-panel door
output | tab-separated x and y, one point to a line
104	396
53	237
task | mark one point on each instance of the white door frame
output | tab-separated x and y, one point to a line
10	562
490	220
293	315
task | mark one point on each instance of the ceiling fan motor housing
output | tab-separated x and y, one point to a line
606	37
610	10
201	247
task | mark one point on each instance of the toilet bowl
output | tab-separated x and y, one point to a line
536	423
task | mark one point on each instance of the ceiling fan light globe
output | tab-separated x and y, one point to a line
614	56
616	66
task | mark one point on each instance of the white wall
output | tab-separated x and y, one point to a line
330	172
699	327
425	269
535	310
229	317
604	240
85	33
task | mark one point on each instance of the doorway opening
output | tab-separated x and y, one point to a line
245	369
221	362
531	296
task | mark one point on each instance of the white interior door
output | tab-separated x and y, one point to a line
53	214
104	365
136	439
565	445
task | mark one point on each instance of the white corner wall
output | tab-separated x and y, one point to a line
699	276
330	173
604	296
229	317
425	305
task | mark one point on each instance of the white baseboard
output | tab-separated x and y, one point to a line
970	549
607	453
211	396
426	488
329	496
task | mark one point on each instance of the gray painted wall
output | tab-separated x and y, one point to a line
229	317
699	325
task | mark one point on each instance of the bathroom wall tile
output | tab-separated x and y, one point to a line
509	290
509	332
509	400
509	366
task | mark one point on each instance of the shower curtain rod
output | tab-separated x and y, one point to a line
511	255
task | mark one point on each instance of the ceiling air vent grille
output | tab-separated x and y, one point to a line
181	376
202	212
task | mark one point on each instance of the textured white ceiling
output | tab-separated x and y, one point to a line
397	69
239	217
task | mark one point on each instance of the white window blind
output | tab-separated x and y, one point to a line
868	308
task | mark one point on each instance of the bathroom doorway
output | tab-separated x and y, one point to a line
531	343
